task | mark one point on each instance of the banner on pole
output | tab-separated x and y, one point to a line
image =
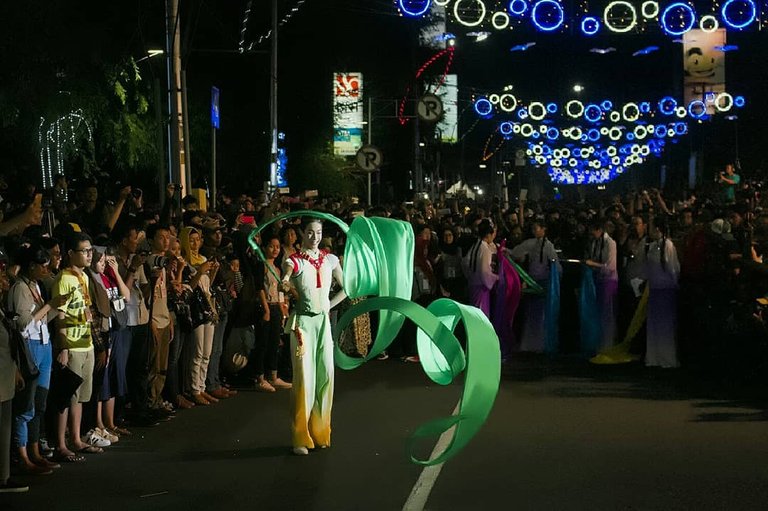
347	113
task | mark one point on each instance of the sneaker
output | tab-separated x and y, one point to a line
300	451
92	438
12	486
45	449
412	359
106	435
382	356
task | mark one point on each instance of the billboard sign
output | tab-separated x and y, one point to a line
347	113
215	107
449	124
704	64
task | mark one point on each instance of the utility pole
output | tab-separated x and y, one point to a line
273	100
176	103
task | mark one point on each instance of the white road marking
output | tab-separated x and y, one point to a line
423	487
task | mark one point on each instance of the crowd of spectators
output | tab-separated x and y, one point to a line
116	313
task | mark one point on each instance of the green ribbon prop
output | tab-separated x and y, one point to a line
378	263
532	287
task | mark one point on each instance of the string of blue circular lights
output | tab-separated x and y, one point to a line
595	142
619	16
506	103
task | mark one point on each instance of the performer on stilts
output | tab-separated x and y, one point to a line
311	272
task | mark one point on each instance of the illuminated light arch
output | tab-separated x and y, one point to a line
660	131
640	132
681	128
739	101
606	105
688	24
447	51
504	24
503	102
552	26
516	129
614	116
590	25
543	129
593	135
480	19
697	109
522	114
518	7
441	3
576	133
414	11
593	113
645	107
728	20
537	111
614	133
630	136
553	133
494	99
681	112
652	5
552	108
609	8
569	108
714	24
723	107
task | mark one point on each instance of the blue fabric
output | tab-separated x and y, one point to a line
589	315
552	312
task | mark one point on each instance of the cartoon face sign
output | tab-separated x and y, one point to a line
699	64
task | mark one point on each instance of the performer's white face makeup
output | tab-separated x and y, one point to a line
312	235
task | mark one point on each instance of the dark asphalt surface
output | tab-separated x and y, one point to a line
563	435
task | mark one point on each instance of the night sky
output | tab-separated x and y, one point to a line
368	36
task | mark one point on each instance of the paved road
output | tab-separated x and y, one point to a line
563	435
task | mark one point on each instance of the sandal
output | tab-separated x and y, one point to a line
91	449
68	458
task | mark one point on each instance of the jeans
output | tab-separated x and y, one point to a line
212	381
6	417
29	403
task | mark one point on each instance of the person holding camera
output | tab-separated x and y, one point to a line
202	334
729	180
161	327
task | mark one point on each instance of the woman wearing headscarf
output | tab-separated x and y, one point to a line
202	335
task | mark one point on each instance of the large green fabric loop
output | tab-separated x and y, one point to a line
378	264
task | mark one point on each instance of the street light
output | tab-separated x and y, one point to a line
150	54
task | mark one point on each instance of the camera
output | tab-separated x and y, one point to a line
136	192
158	261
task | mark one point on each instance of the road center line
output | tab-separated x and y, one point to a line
423	487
